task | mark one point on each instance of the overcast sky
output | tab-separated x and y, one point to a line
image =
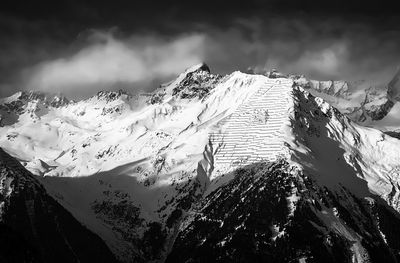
80	47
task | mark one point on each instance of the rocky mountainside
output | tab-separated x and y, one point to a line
36	228
272	213
219	168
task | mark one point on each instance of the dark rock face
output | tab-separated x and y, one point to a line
377	103
110	96
393	134
378	112
35	228
253	219
156	98
197	84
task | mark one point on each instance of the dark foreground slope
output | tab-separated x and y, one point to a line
35	228
271	213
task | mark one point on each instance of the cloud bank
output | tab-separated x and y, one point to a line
138	60
107	62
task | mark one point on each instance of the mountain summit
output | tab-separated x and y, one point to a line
241	167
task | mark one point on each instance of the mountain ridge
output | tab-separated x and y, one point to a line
363	102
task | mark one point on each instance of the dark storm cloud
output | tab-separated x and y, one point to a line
72	46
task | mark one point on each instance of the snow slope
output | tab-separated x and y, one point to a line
253	131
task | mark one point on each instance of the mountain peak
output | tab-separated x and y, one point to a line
111	95
199	67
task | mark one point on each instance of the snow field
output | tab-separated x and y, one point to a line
253	132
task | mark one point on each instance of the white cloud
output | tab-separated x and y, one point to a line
144	61
326	61
109	61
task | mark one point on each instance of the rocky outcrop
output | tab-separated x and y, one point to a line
197	83
110	96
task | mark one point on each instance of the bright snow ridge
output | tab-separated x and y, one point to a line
253	132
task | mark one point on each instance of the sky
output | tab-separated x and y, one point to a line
80	47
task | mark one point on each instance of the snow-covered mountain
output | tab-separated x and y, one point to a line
363	102
226	168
